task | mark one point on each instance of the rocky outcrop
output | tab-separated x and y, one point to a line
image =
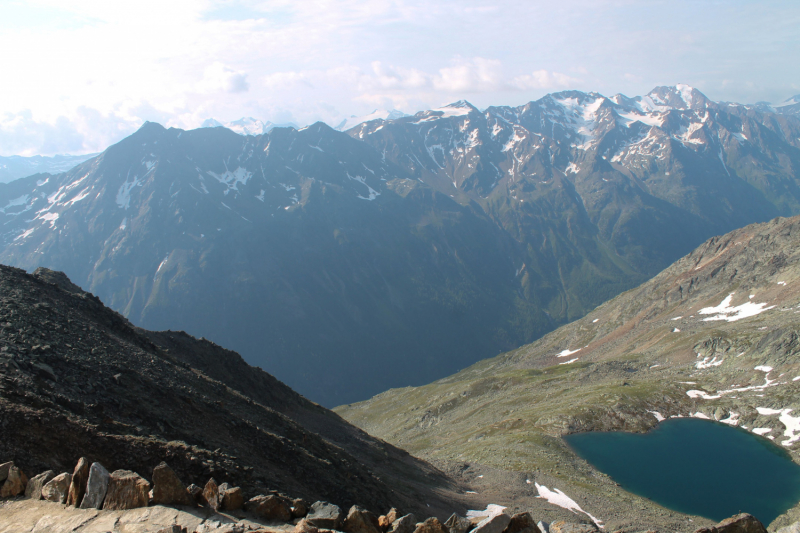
15	483
35	484
168	488
57	489
96	487
360	520
521	523
77	488
4	468
271	507
231	498
126	490
493	524
741	523
404	524
430	525
325	515
458	524
211	494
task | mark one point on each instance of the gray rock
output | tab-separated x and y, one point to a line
794	528
430	525
324	515
56	489
404	524
457	524
35	484
270	507
96	487
494	524
230	498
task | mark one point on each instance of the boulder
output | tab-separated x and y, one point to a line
211	494
521	523
299	508
304	526
126	490
457	524
196	493
15	483
4	470
56	489
385	521
569	527
270	507
404	524
80	476
360	520
493	524
741	523
168	489
325	515
172	529
96	487
35	484
231	498
432	525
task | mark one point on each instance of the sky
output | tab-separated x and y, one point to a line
79	75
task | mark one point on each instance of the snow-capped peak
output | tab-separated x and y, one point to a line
456	109
244	126
378	114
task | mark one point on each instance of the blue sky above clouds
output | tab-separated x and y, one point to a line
81	74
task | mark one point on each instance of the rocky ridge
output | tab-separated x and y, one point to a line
77	379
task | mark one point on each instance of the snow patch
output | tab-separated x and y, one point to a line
761	431
708	362
232	179
764	368
659	416
569	362
724	311
567	353
557	497
491	511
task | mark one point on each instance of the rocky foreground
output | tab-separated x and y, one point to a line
91	499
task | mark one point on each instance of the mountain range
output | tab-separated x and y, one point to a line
16	166
406	248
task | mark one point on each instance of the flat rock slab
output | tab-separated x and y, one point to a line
29	516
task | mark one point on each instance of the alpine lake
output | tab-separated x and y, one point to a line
697	467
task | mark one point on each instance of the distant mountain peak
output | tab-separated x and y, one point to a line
246	125
378	114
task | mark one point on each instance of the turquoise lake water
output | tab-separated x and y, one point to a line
697	467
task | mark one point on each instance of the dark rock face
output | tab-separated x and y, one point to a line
211	494
458	524
80	476
167	488
34	488
741	523
129	399
232	499
126	490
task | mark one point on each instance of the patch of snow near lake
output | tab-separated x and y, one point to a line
761	431
569	362
491	511
732	420
724	311
658	415
698	414
792	423
708	362
557	497
764	368
567	353
694	394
